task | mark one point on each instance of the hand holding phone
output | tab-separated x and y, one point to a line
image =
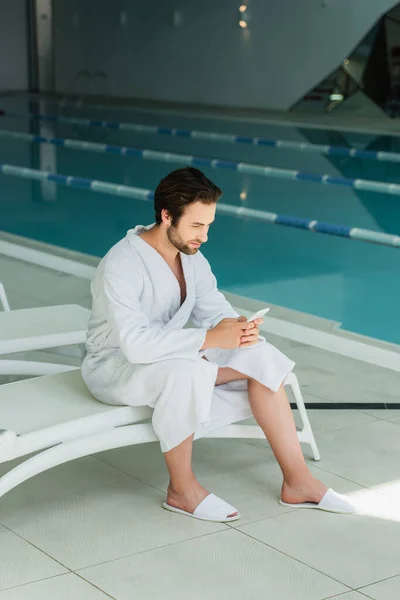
258	315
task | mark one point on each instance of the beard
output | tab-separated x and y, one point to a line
177	241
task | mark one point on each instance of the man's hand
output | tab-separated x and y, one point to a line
228	334
250	336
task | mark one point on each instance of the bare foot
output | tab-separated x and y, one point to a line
305	490
189	498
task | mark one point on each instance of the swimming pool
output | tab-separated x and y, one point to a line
354	283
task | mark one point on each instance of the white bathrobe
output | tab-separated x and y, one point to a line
139	351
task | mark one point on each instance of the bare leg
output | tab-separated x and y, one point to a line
273	413
184	491
225	375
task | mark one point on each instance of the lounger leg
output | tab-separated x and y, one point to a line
306	435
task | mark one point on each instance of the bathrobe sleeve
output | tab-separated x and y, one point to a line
141	342
211	306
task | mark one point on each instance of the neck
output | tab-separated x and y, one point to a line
158	239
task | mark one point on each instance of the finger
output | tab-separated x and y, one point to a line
242	319
246	325
251	339
259	321
248	340
246	335
247	344
251	332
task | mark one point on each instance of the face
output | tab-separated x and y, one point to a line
192	229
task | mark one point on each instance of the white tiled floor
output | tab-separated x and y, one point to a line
94	528
384	590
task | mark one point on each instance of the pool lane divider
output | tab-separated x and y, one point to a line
340	151
202	162
136	193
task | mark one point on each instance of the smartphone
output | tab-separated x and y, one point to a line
258	314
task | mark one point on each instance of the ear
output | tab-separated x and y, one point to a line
165	216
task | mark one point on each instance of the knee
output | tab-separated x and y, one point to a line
253	384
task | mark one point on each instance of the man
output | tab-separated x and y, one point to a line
145	290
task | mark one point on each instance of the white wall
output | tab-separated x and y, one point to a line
289	46
13	45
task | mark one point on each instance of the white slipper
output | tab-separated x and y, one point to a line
211	508
331	502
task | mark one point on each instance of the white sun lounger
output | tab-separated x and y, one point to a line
38	329
56	417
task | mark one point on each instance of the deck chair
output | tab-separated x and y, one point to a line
57	418
38	329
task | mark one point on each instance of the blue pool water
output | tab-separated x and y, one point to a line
354	283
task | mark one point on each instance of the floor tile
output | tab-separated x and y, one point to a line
384	590
391	489
358	381
367	454
355	549
384	414
51	287
70	478
223	565
19	301
331	420
22	563
346	596
102	524
64	587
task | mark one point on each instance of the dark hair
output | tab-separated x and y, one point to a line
180	188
